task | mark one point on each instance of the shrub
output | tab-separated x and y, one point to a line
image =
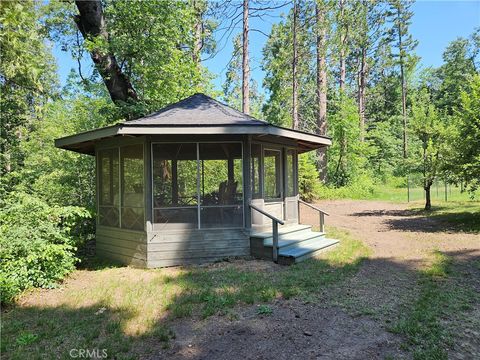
362	188
37	247
309	184
311	188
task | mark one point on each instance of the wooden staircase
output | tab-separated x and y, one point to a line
295	243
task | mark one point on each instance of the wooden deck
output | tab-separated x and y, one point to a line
295	243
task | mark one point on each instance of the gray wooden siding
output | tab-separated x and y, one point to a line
169	248
125	246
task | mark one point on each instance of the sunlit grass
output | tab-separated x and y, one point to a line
128	311
427	336
459	215
417	194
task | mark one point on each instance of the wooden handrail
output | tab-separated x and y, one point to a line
263	212
321	213
275	222
313	207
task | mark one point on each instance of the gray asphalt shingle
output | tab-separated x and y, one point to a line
198	109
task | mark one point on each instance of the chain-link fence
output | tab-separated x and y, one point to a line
441	190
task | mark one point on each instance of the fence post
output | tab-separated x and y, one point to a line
408	188
446	198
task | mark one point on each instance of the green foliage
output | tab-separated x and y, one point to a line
465	157
232	88
457	71
430	129
27	77
308	181
347	155
37	243
401	17
277	64
154	40
264	310
58	176
362	188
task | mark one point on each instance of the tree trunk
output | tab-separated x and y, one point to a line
404	109
343	39
295	121
321	88
428	202
321	73
362	83
404	88
198	33
342	71
245	63
91	24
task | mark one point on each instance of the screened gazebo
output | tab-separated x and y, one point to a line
199	181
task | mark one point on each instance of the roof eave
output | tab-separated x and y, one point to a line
78	142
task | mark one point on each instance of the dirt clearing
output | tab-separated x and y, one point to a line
372	309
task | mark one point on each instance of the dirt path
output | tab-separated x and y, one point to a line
396	233
350	321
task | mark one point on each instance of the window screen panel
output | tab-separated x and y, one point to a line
255	170
221	174
221	217
272	174
133	199
290	169
175	197
109	187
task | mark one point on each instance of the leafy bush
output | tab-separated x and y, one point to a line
37	246
311	188
362	188
309	184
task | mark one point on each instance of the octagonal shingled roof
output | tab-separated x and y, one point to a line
199	115
196	110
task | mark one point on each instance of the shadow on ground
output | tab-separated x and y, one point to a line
427	221
310	324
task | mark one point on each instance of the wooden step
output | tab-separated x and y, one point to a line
281	231
292	239
304	250
295	243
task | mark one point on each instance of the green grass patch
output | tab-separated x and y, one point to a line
127	311
394	191
456	215
214	291
264	310
439	299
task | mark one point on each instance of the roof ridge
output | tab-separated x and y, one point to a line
240	113
198	109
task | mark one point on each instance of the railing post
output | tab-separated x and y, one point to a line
298	208
275	241
322	222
